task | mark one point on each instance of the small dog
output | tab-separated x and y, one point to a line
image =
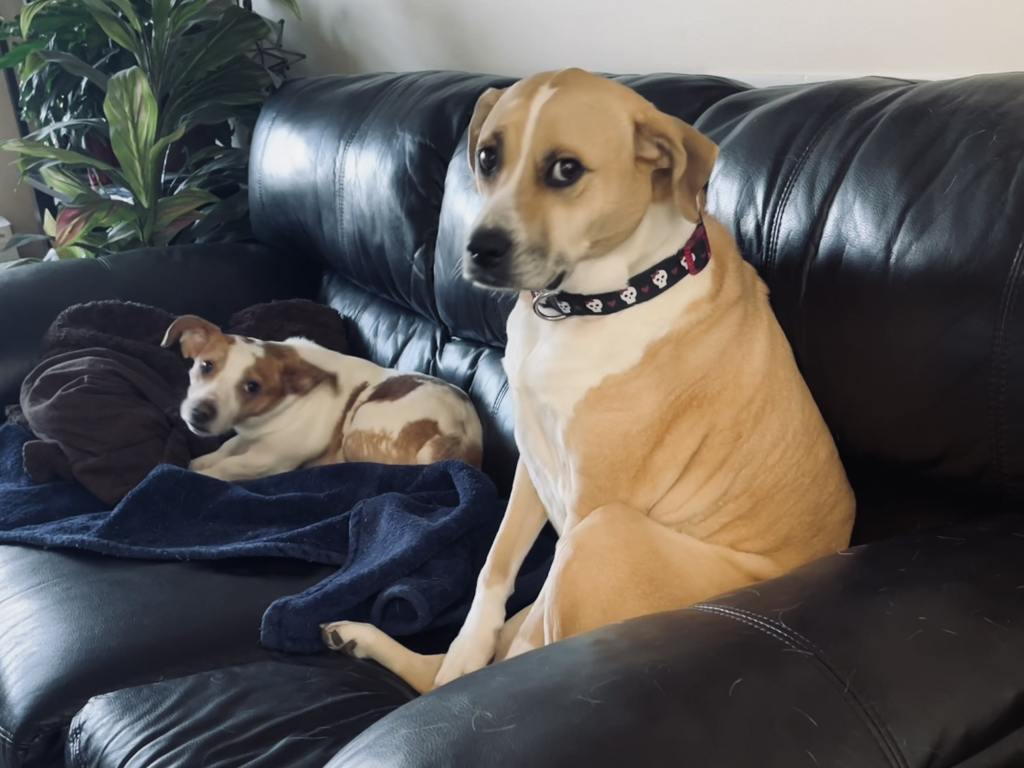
296	404
663	426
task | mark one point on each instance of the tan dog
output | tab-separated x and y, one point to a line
296	404
668	437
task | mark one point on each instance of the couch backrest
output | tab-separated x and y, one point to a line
886	216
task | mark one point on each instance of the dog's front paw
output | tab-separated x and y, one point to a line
202	463
351	637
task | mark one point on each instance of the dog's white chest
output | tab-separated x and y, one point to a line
552	365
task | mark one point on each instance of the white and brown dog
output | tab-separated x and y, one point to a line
296	404
663	426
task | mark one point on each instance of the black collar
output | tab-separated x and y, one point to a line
688	260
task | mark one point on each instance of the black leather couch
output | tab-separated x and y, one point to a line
887	217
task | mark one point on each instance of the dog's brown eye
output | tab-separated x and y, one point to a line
487	160
252	387
206	366
564	172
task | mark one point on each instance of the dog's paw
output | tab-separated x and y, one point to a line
350	637
202	463
468	653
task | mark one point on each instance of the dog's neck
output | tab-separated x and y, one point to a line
661	231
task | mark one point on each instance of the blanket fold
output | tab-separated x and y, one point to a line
407	541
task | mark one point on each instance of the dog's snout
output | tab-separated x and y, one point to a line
489	247
203	413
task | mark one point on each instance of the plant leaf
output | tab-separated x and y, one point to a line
293	6
161	146
218	96
73	222
171	209
236	31
218	216
32	64
29	12
132	113
76	66
19	240
129	13
49	223
74	252
116	29
38	149
45	131
65	185
19	53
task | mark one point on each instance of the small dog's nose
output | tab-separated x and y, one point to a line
488	247
203	413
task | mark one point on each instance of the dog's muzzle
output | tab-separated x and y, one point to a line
489	250
202	414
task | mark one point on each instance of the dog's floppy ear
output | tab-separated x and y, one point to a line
192	331
484	105
666	142
300	376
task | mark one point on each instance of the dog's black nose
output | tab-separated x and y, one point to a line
488	247
203	413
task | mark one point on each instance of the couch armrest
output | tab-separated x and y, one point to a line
902	653
211	280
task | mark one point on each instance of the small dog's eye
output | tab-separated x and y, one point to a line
206	366
487	160
564	172
252	387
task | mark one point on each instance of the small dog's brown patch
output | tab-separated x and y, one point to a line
198	338
279	372
331	454
405	447
396	387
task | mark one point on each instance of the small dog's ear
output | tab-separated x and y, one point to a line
484	105
192	331
300	377
667	143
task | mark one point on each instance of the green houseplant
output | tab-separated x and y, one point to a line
132	106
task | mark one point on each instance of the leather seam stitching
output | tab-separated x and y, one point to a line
342	159
775	231
1000	364
879	731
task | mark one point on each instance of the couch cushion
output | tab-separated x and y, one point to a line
294	712
75	626
867	205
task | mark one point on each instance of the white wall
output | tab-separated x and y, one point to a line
17	203
761	42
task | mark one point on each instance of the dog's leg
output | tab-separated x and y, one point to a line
365	641
249	465
618	564
476	642
478	639
229	448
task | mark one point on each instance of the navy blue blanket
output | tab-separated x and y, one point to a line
408	541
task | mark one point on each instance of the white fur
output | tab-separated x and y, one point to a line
300	428
501	208
551	365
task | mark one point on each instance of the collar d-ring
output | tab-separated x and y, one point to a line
545	306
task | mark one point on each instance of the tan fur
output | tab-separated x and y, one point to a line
636	155
198	337
334	451
362	445
685	459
